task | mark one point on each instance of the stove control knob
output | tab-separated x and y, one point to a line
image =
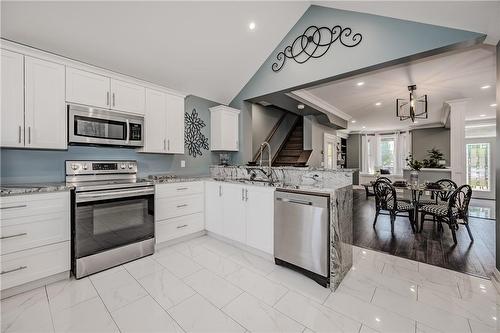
130	165
85	166
123	166
74	166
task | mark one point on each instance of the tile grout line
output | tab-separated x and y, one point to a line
50	309
105	306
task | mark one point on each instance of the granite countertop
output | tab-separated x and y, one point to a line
284	168
19	189
178	179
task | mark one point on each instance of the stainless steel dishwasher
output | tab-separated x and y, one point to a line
302	233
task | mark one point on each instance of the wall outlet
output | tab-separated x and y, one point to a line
183	164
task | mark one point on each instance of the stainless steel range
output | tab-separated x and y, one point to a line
112	217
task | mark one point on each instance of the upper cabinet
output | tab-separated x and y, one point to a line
45	108
33	104
12	131
164	123
128	97
175	124
224	128
87	88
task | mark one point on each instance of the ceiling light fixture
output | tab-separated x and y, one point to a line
378	104
412	108
364	127
359	84
300	106
482	115
486	87
251	26
353	121
493	105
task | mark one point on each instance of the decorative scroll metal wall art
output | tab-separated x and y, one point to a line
314	43
194	140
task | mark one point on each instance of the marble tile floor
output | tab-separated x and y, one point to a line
206	285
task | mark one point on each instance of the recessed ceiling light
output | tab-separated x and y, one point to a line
364	126
359	84
493	105
353	121
378	104
482	115
415	122
251	26
486	86
300	106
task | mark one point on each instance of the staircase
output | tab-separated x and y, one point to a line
291	152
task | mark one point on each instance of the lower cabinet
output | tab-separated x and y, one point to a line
179	210
242	213
34	237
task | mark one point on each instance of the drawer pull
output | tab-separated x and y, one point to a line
182	188
16	235
183	205
182	226
11	207
13	270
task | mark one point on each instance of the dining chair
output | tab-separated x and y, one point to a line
449	186
386	200
453	213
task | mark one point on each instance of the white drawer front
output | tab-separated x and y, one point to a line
31	231
29	265
172	190
178	206
178	227
34	204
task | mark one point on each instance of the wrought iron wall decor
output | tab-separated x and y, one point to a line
314	43
194	140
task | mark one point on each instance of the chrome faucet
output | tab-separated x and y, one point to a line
269	157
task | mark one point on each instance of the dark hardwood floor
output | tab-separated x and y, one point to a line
431	246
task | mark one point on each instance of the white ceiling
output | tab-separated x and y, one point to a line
200	48
203	48
446	77
478	16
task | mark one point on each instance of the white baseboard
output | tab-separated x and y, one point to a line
34	284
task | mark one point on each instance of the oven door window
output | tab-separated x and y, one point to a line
100	128
107	224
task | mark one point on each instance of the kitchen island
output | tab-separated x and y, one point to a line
337	184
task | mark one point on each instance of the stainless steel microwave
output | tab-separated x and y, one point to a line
93	126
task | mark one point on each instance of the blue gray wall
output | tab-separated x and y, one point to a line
385	41
25	166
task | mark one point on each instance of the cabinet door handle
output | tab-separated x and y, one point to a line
182	188
181	206
13	270
182	226
242	194
168	144
113	99
16	235
107	98
11	207
19	133
164	144
246	194
29	134
220	190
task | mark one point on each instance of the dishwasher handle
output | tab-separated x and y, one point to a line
300	202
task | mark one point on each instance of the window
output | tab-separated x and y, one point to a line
478	166
387	152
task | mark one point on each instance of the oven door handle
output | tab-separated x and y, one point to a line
128	131
106	195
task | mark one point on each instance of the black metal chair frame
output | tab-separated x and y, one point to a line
440	197
459	199
385	193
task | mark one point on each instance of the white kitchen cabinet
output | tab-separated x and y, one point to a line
45	107
12	91
233	214
260	218
155	121
213	207
224	129
175	124
87	88
127	97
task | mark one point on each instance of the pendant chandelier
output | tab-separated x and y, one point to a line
412	108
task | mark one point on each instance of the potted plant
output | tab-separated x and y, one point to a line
415	166
435	159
